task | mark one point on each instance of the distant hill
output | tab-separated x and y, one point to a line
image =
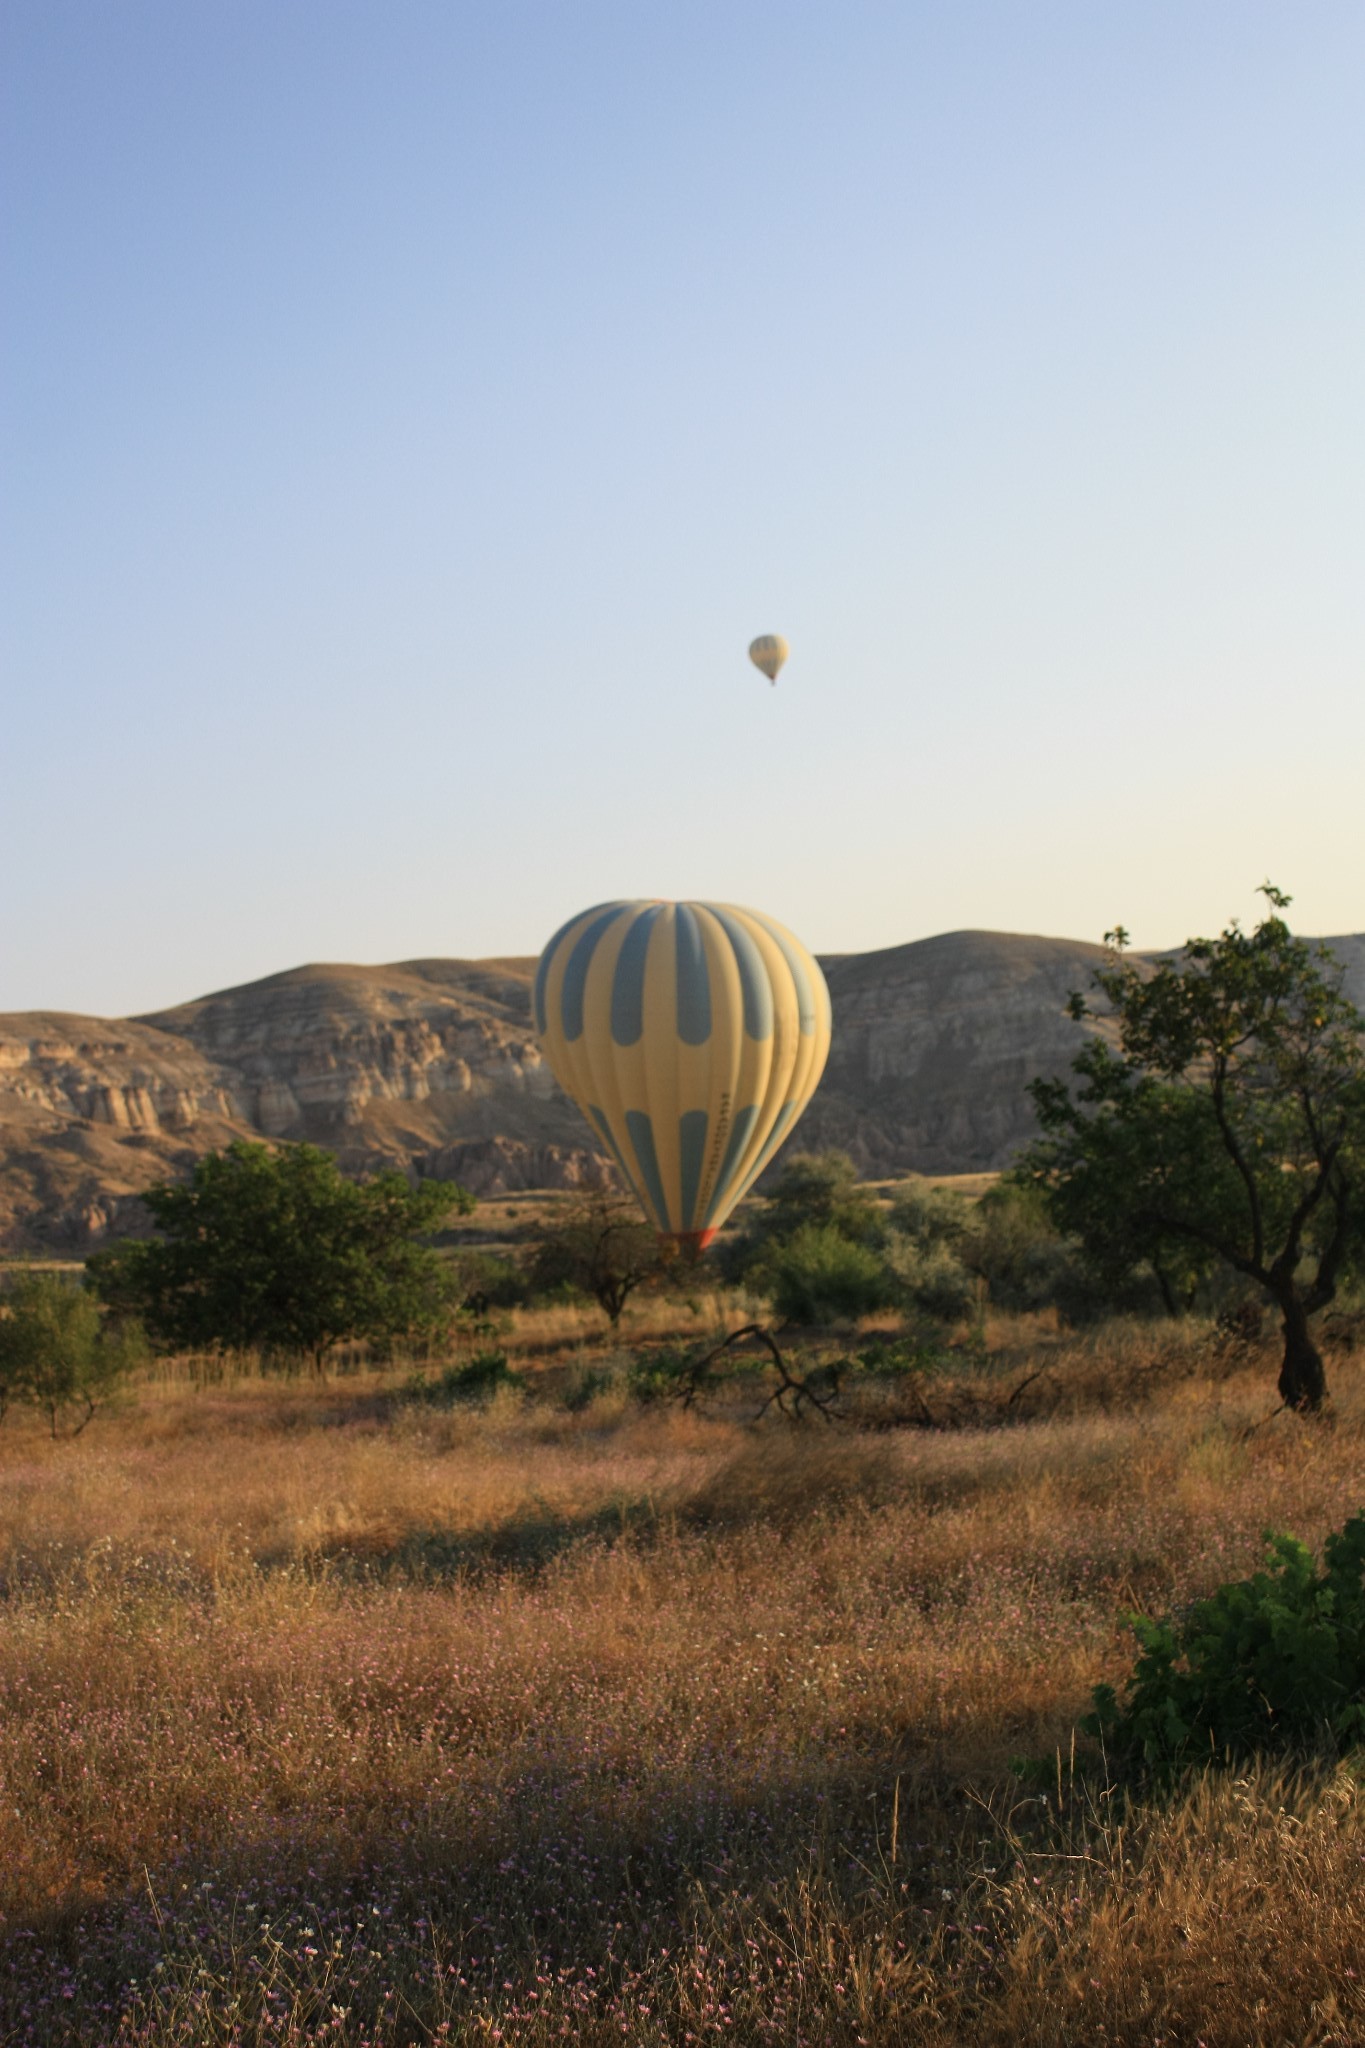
432	1066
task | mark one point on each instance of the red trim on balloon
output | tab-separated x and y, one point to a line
693	1241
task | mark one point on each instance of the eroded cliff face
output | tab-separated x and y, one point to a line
91	1112
935	1044
314	1051
432	1066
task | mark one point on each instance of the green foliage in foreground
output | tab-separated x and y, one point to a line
57	1351
1271	1663
278	1250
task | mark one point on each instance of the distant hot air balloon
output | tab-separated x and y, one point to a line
692	1036
769	652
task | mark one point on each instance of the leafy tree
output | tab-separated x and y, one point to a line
602	1248
57	1350
278	1249
1228	1129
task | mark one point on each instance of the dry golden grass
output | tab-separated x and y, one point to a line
328	1713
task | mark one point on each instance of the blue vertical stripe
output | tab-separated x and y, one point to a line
546	962
740	1133
694	978
773	1139
604	1131
692	1129
641	1130
628	980
753	975
576	973
807	1005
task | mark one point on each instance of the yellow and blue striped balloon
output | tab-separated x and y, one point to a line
692	1036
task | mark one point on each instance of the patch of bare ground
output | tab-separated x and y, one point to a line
328	1712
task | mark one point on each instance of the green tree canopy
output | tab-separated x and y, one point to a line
57	1350
1227	1129
277	1249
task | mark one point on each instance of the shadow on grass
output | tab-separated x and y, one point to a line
524	1545
567	1880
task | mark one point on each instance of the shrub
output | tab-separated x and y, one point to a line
478	1379
57	1351
933	1279
1026	1263
584	1388
930	1216
821	1190
815	1190
1273	1662
820	1276
482	1281
663	1373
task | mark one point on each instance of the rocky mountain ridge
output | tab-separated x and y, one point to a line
432	1066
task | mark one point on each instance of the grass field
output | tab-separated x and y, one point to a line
329	1713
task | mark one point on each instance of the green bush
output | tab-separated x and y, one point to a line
894	1358
662	1373
930	1216
820	1276
57	1351
478	1379
933	1280
482	1281
815	1190
1026	1263
1273	1662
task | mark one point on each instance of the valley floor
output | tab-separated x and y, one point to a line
332	1713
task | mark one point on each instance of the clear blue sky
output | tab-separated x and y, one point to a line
411	410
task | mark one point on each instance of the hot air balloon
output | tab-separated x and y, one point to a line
769	652
691	1036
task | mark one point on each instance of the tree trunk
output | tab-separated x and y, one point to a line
1167	1291
1303	1382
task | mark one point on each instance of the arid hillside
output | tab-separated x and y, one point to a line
432	1066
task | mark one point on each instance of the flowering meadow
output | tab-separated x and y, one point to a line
329	1713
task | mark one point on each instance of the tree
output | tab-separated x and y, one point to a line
57	1351
600	1248
1228	1129
279	1250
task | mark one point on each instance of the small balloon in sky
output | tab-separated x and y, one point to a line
691	1036
768	653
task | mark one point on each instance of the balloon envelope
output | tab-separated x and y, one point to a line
769	652
692	1036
